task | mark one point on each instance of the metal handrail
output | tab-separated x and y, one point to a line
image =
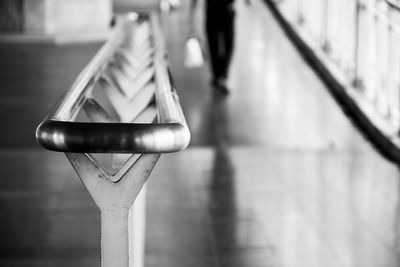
58	131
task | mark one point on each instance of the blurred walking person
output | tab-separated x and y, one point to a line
219	26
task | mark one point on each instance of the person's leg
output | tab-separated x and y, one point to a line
213	37
228	40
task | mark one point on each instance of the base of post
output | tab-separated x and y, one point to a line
114	237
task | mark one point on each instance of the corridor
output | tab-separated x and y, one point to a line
276	174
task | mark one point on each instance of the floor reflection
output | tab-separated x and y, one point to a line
222	184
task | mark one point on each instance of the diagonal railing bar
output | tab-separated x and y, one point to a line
126	108
120	172
393	4
128	68
129	86
96	113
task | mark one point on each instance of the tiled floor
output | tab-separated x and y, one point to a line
276	175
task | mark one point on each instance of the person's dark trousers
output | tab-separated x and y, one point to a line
220	34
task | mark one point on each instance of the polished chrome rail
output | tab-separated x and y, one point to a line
59	131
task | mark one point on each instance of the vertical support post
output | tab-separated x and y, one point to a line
372	90
137	229
115	200
300	15
114	237
356	79
325	45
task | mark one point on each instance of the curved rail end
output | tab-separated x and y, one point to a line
82	137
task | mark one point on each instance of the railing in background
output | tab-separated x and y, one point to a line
123	105
362	37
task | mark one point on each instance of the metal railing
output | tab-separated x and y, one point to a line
362	37
123	105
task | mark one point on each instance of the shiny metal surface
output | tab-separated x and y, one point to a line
59	131
112	137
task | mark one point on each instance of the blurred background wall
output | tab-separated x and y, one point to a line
54	16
